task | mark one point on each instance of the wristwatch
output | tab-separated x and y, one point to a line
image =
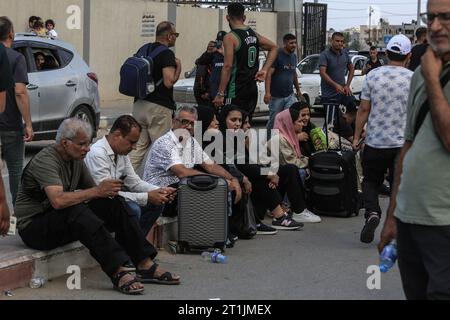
221	94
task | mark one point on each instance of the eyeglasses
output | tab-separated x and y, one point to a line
186	122
428	18
176	34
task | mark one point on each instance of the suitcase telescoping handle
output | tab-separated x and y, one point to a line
335	107
203	182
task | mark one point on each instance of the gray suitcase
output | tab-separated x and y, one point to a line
202	212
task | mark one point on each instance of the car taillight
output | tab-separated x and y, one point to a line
93	77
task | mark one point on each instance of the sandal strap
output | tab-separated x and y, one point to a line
167	276
116	279
128	285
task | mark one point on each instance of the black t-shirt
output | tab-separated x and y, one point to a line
162	95
11	119
246	64
6	80
373	65
416	55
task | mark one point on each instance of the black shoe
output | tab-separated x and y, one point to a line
385	190
368	232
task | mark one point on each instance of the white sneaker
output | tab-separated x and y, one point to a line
306	217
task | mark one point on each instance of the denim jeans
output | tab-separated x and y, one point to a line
277	105
147	215
13	152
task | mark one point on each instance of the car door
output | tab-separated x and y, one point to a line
57	86
358	79
22	47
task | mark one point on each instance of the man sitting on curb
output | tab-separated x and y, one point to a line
108	159
58	203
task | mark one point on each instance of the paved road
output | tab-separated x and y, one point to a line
323	261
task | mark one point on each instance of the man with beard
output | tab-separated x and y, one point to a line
418	212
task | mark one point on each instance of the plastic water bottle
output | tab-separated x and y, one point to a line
388	257
37	282
215	257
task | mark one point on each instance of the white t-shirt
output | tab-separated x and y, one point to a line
167	152
387	89
52	33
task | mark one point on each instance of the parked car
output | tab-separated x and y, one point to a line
64	87
310	77
184	91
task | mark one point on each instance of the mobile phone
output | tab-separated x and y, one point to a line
12	226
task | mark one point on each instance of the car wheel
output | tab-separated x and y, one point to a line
83	113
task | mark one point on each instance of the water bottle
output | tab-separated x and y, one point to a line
388	256
37	282
215	257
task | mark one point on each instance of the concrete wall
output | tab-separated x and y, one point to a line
113	30
20	10
116	28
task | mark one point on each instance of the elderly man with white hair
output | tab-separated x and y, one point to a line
58	203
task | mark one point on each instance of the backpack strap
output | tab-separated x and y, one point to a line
423	112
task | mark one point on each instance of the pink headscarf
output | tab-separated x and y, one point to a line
284	123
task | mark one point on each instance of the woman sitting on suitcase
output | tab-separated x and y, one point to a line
266	189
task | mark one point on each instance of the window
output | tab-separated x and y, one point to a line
45	59
309	66
65	57
23	51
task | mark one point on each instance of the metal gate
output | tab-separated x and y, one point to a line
314	28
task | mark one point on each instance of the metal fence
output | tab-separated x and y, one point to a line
253	5
314	28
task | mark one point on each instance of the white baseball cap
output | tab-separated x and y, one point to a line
399	44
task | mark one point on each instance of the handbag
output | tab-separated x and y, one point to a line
243	222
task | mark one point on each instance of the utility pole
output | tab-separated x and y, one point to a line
370	20
419	8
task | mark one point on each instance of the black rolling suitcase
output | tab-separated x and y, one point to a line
333	189
202	212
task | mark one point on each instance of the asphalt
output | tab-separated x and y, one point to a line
323	261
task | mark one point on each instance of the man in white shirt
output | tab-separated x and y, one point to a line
174	156
108	159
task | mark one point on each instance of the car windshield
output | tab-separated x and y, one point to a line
309	65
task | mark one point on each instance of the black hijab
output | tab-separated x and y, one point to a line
206	116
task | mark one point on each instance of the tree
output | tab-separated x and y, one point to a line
355	45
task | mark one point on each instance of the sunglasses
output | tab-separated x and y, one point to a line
428	18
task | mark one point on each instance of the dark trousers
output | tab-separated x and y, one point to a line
375	164
247	101
13	151
92	224
264	198
424	261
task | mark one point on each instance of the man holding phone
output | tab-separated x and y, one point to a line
418	212
108	158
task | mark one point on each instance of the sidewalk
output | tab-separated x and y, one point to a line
111	110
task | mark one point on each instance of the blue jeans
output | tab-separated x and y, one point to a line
13	152
277	105
147	215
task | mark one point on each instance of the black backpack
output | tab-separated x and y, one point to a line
136	74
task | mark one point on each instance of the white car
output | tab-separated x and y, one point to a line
309	79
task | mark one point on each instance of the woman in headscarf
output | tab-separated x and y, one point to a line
290	124
264	193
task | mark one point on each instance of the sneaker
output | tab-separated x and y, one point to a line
233	237
265	229
286	223
368	232
306	217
